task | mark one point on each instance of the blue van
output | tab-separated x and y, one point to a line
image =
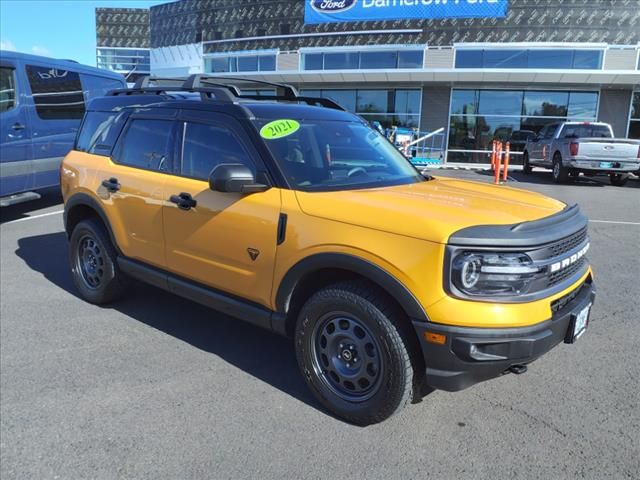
42	102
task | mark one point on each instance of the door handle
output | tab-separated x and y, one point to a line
184	201
111	185
18	126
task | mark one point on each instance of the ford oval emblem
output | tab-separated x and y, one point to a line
332	6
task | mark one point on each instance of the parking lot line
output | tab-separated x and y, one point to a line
615	222
34	217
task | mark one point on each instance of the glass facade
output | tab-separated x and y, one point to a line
634	120
480	116
390	107
369	60
240	63
124	60
538	58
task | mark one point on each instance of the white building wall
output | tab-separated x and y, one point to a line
177	61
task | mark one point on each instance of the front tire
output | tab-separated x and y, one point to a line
353	353
618	179
93	263
560	173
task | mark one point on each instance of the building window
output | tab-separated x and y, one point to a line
399	107
480	116
240	63
532	58
634	117
366	60
124	60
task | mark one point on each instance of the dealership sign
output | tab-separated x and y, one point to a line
335	11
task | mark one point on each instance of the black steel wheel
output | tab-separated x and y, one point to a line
92	258
356	353
346	356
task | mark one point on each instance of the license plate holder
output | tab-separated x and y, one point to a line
606	164
578	324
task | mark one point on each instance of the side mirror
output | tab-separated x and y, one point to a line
234	178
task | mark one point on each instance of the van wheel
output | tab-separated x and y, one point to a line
93	263
353	353
560	174
526	166
618	179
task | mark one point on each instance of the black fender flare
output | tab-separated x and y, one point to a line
353	264
86	200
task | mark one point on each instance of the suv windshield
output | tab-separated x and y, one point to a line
335	155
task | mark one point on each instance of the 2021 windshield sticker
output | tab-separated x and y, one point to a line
279	129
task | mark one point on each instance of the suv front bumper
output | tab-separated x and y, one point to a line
472	355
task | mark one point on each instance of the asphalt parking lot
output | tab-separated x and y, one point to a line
158	387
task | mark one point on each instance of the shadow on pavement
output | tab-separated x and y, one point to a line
262	354
49	198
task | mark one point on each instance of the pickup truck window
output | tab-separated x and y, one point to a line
586	131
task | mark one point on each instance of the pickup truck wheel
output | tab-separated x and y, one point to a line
352	354
93	263
618	179
560	174
526	166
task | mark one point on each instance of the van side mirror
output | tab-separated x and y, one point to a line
234	178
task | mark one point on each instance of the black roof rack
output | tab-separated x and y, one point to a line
223	89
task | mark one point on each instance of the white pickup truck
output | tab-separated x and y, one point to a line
569	148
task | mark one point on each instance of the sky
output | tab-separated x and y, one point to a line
56	28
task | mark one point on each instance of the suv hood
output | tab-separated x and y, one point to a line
431	210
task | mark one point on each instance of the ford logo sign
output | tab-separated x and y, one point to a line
332	6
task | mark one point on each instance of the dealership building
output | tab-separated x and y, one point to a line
480	70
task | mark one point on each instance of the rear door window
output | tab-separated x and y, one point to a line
146	144
99	132
57	93
206	146
7	88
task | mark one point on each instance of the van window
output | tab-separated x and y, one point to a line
146	144
206	146
7	88
57	93
98	132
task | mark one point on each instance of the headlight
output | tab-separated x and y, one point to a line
492	274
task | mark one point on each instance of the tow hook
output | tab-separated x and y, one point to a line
518	369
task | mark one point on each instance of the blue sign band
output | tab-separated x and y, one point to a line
337	11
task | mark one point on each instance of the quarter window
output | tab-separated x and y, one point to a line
206	146
57	93
7	89
146	144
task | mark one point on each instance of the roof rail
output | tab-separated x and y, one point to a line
207	85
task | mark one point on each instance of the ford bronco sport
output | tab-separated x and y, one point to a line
294	215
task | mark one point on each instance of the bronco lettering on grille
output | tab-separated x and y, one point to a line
569	260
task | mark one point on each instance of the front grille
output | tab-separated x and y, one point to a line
561	275
568	243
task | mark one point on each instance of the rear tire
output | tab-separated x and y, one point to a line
618	179
526	166
560	174
353	353
92	258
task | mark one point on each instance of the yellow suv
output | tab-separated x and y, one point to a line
294	215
